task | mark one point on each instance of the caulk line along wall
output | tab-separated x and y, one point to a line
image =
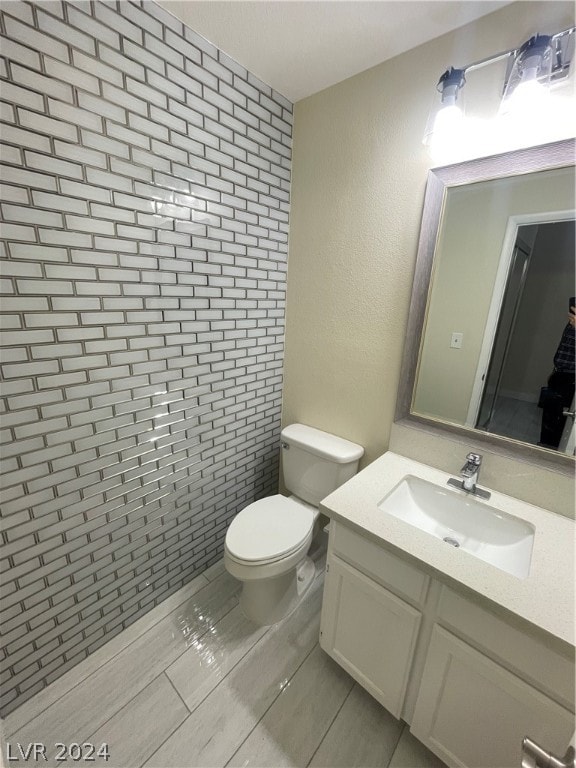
145	202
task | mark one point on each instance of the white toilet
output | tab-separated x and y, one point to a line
267	542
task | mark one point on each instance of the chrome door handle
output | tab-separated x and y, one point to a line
533	756
568	412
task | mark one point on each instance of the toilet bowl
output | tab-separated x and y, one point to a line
267	542
266	548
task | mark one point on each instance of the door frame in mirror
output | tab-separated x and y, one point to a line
533	159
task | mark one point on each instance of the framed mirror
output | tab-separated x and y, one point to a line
493	284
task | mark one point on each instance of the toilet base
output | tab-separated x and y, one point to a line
266	601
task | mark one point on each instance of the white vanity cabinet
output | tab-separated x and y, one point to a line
469	678
369	625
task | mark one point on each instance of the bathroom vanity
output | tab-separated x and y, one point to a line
473	657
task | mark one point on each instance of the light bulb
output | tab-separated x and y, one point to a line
527	99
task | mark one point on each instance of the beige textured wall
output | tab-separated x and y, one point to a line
359	172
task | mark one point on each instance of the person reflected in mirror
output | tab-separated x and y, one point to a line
559	393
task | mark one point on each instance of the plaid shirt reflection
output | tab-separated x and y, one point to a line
564	357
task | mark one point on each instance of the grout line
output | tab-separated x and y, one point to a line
332	722
397	743
271	705
222	680
128	703
177	692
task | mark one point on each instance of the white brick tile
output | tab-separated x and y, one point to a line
20	370
120	62
85	191
80	154
47	125
44	287
7	112
127	135
74	304
55	320
115	244
10	154
20	11
86	23
15	135
88	224
166	85
74	115
70	272
71	75
49	351
28	36
64	32
37	252
27	178
31	215
14	51
59	202
102	107
23	96
129	169
108	180
42	84
110	212
141	19
18	232
144	57
54	165
112	19
97	68
62	237
147	94
167	53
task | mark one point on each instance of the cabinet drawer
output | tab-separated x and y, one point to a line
534	657
402	578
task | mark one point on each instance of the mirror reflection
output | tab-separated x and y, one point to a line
497	350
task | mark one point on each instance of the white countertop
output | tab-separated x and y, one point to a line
545	598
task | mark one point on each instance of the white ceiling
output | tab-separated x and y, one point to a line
300	47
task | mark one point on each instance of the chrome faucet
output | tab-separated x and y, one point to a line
470	473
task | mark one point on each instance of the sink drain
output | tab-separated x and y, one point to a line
451	540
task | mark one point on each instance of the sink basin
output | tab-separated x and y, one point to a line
464	522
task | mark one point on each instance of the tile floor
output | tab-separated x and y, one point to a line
193	683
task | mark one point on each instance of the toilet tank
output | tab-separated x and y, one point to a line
315	463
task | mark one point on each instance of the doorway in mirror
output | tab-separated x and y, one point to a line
518	395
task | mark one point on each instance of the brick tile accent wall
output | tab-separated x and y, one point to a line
145	200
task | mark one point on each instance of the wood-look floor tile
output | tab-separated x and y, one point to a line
291	730
215	570
91	703
45	698
137	730
215	730
363	734
211	657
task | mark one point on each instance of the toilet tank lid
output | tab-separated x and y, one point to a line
323	444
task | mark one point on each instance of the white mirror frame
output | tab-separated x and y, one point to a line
540	158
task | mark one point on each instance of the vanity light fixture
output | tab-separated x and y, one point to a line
446	118
528	81
532	69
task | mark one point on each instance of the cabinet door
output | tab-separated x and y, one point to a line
472	712
370	632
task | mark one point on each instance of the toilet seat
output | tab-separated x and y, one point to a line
269	530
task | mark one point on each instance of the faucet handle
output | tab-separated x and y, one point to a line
474	458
